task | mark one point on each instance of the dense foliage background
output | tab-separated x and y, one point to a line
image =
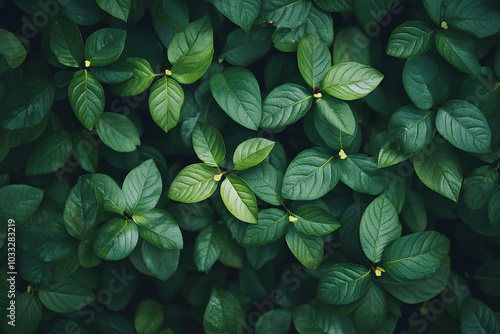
267	166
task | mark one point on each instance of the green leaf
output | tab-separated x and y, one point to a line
65	296
351	81
223	313
208	144
265	181
244	49
464	126
29	105
142	187
114	73
313	220
86	254
478	187
434	9
114	200
438	167
416	255
105	46
239	199
118	132
19	201
49	155
389	155
11	49
477	317
370	314
29	314
338	113
310	175
208	247
193	184
116	239
191	51
251	152
489	278
117	8
83	209
477	18
335	5
310	320
379	226
86	97
307	249
369	12
351	44
276	321
142	77
237	92
66	41
481	92
459	50
425	81
284	105
411	129
148	317
285	13
330	134
165	103
314	59
343	283
176	14
413	213
159	228
360	173
162	264
242	13
494	211
410	39
271	225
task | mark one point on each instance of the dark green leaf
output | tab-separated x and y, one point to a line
66	41
478	187
176	13
114	73
223	313
86	96
361	174
370	314
285	13
105	46
242	13
19	201
271	225
208	247
307	249
494	211
459	50
265	181
243	49
276	321
11	49
142	77
477	18
49	155
159	228
161	263
314	59
413	213
65	296
313	220
477	317
118	132
116	239
148	317
114	201
489	278
411	129
335	5
117	8
337	113
410	39
208	144
29	314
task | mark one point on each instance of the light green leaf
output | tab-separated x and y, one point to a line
49	155
118	132
343	283
86	97
191	51
165	103
65	296
237	92
478	187
416	255
66	41
244	49
284	105
29	314
314	59
142	77
142	187
477	317
370	314
310	175
208	144
477	18
360	173
239	199
223	313
193	184
285	13
105	46
117	8
410	39
459	50
351	81
242	13
161	263
265	181
411	129
114	200
148	317
11	49
159	228
116	239
313	220
307	249
251	152
271	225
208	247
379	226
464	126
338	113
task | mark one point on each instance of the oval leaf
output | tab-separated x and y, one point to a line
193	184
239	199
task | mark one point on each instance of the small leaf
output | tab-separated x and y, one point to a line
239	199
159	228
176	13
65	296
193	184
118	132
142	187
86	97
165	103
489	278
66	41
271	225
116	239
314	59
208	144
459	50
117	8
410	39
105	46
49	155
285	13
251	152
307	249
313	220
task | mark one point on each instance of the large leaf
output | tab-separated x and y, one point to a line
410	39
239	199
379	226
361	173
438	167
66	41
208	144
142	187
411	129
86	97
116	239
165	103
49	155
105	46
416	255
237	92
478	187
251	152
307	249
243	13
271	225
370	314
337	113
477	317
208	247
244	49
313	220
193	184
464	126
29	314
265	181
191	51
159	228
459	50
142	77
118	132
343	283
314	59
477	18
223	313
117	8
114	201
351	81
310	175
65	296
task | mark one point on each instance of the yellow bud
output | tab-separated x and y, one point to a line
318	95
342	154
444	25
292	219
87	63
29	288
379	271
217	177
168	72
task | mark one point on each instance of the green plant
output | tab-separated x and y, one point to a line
267	166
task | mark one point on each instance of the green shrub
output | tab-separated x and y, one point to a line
267	166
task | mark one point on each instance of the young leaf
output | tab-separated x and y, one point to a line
117	8
411	129
193	184
191	51
343	283
118	132
311	175
314	59
142	187
370	314
459	50
116	239
105	46
114	200
379	226
271	225
208	144
148	317
223	313
241	13
66	41
165	103
265	181
207	247
351	81
464	126
476	317
251	152
86	97
338	113
478	187
142	77
416	255
239	199
313	220
284	105
244	49
410	39
307	249
49	155
65	296
361	174
237	92
159	228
